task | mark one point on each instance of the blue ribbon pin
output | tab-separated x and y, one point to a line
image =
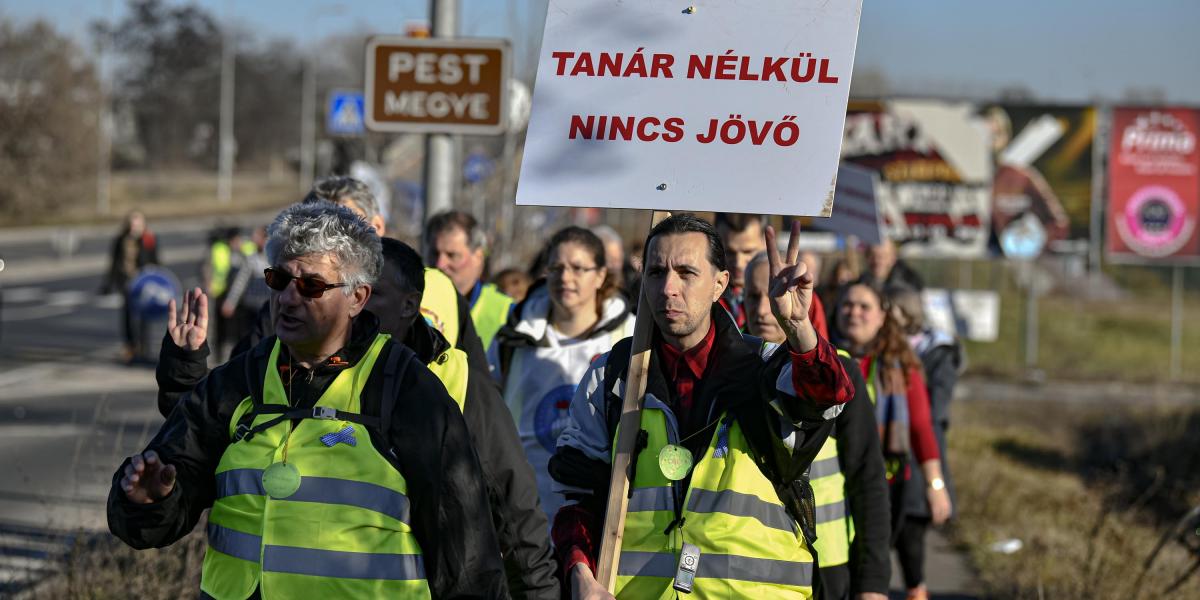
345	436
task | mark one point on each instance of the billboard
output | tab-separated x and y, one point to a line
1154	186
1043	178
935	172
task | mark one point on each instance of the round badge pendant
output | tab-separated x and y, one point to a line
281	480
674	461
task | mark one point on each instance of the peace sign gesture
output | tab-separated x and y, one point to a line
191	329
791	291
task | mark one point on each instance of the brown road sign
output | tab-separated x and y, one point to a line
436	85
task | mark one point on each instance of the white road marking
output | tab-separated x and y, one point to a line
23	294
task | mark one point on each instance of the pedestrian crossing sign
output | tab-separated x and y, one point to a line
345	113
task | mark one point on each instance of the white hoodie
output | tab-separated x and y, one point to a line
542	378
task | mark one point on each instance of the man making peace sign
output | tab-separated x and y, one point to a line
724	434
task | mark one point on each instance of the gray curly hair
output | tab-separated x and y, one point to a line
324	227
337	189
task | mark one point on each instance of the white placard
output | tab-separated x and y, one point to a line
969	314
708	106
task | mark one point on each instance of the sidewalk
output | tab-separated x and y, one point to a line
948	574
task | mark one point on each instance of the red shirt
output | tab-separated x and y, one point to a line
576	530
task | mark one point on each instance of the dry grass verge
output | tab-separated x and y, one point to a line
104	568
1088	490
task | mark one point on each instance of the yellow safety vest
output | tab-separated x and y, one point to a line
220	258
439	305
749	546
344	533
490	313
451	369
835	527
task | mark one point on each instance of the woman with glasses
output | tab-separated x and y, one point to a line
571	316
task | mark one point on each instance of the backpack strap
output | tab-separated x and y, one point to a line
394	369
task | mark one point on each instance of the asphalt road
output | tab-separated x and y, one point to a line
69	410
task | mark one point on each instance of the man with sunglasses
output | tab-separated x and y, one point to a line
333	461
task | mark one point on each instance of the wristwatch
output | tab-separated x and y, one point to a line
937	484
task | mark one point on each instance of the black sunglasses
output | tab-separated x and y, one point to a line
308	285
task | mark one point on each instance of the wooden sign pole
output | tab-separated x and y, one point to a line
630	423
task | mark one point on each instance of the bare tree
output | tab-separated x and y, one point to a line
48	94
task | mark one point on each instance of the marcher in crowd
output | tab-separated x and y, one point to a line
713	399
943	359
457	246
396	299
886	270
819	317
333	462
513	282
847	476
867	329
134	248
742	236
441	304
619	267
248	292
570	317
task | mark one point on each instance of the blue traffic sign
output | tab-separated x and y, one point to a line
477	167
1024	238
151	291
344	114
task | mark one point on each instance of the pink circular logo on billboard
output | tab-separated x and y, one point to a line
1155	221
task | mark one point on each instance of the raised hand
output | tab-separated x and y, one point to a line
791	291
191	330
147	479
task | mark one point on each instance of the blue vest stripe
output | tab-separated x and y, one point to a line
740	505
234	543
719	566
343	565
647	564
651	499
824	468
831	512
323	490
236	482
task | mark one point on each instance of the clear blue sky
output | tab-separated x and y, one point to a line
1068	51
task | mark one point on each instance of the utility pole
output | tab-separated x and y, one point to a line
104	125
227	143
441	160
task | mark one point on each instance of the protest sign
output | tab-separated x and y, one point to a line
857	213
717	107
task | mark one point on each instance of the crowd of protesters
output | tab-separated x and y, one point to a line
534	359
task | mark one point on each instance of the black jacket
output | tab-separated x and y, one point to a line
861	463
433	450
516	514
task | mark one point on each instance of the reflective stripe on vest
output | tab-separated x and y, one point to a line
749	546
490	313
344	532
439	305
451	369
